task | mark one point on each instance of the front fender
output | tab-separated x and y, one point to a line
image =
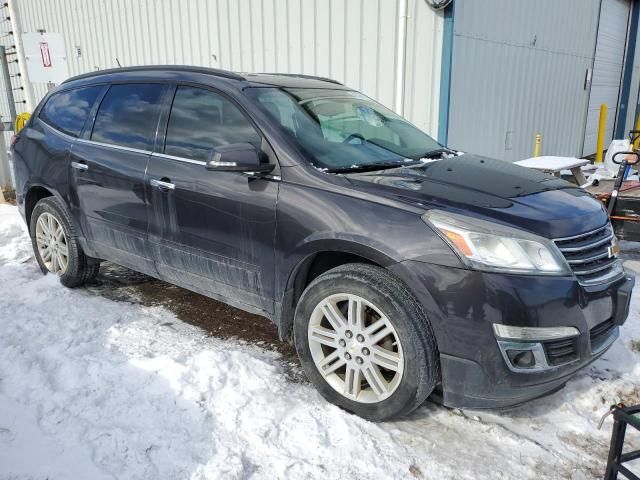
299	260
366	247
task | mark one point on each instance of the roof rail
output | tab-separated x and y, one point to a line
299	75
141	68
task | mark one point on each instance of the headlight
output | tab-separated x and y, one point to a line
492	247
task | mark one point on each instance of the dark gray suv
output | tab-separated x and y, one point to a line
398	267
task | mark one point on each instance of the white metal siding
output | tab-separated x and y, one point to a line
423	65
607	70
352	41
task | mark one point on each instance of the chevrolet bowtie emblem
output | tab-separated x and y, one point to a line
614	250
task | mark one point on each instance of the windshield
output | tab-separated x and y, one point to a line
343	129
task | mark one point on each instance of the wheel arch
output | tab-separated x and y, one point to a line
34	194
318	258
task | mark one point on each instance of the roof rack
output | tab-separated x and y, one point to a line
141	68
299	75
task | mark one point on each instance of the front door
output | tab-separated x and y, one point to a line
108	174
212	232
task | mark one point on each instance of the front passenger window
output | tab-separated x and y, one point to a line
201	120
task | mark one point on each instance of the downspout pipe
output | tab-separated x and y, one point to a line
16	28
401	55
445	74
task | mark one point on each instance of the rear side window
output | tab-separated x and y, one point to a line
67	111
128	115
201	120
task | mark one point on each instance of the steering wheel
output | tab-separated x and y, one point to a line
353	136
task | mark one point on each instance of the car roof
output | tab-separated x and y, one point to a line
195	73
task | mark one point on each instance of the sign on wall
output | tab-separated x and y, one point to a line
46	57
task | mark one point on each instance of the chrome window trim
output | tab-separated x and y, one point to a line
64	134
179	159
113	145
156	154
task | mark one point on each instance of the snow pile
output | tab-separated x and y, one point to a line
91	388
15	245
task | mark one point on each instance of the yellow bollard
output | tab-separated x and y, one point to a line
536	150
636	144
602	125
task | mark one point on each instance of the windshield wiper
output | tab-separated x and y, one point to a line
370	167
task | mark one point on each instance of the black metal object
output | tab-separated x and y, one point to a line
622	416
624	163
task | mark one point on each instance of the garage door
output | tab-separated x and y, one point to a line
607	70
513	79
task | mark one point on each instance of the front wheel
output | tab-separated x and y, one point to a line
365	342
56	245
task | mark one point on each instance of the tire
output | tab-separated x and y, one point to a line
389	310
79	269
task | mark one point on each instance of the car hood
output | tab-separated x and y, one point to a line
494	189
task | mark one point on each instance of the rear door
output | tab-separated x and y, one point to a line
213	232
51	135
109	164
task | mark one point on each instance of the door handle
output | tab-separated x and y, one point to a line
79	166
162	184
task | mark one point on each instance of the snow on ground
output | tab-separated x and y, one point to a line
92	388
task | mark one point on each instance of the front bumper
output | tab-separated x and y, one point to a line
463	305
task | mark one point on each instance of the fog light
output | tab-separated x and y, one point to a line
521	358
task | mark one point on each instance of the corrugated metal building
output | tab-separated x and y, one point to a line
482	75
352	41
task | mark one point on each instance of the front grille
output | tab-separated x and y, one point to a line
588	254
600	334
559	352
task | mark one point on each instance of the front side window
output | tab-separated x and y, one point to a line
201	120
128	115
68	111
343	129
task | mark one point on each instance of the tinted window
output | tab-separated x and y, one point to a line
201	120
67	111
128	116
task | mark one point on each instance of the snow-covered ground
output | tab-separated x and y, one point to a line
92	388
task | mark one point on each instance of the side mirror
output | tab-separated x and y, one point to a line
238	157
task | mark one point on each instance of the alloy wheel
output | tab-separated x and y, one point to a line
52	244
356	348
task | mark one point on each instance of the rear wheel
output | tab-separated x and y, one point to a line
365	342
56	245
